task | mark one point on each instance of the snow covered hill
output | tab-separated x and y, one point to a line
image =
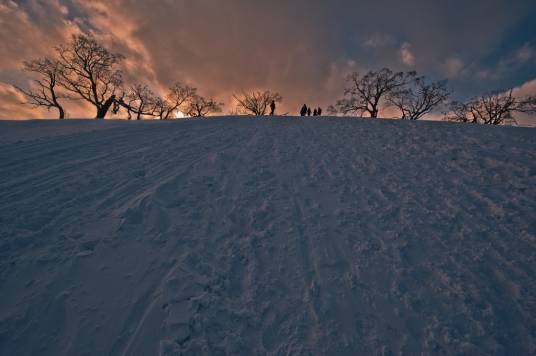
280	236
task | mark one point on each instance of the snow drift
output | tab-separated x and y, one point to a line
251	236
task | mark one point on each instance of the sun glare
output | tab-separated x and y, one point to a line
179	115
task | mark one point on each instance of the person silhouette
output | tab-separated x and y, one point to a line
303	110
315	112
309	111
272	108
319	111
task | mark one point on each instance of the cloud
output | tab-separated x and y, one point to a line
453	66
12	107
526	89
117	31
31	31
526	54
406	55
486	74
27	32
379	40
509	63
242	45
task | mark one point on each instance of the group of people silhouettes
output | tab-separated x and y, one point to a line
306	111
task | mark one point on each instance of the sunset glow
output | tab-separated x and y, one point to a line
269	46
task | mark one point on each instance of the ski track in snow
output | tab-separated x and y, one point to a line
256	236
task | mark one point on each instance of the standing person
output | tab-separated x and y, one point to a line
272	108
319	111
303	111
315	112
308	111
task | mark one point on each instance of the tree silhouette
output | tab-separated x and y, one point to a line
419	98
199	106
364	93
257	102
44	91
125	101
87	69
178	95
332	110
495	108
139	100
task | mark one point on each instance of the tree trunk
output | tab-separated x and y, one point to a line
61	113
103	109
373	110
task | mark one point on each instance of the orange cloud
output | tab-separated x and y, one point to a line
24	37
12	107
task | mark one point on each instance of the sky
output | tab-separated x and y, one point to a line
302	49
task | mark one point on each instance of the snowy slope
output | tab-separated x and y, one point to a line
275	236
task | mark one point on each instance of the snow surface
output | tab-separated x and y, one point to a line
261	236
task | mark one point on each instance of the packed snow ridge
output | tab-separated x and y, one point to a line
267	236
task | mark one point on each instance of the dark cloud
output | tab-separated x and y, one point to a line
301	48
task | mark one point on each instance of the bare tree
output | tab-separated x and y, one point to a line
257	102
88	70
199	106
495	108
161	108
126	102
332	110
364	93
45	89
179	94
140	100
419	98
